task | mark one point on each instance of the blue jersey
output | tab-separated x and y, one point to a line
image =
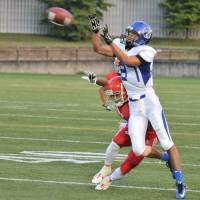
137	80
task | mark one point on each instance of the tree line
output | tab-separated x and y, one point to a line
179	15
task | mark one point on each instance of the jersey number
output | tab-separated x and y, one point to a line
123	72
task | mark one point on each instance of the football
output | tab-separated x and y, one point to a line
60	16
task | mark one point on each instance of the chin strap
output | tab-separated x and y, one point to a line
129	45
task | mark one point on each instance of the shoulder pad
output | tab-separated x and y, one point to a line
147	54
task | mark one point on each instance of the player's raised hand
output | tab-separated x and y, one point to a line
94	23
106	35
91	77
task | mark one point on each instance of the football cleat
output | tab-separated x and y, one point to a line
104	184
168	164
180	190
105	171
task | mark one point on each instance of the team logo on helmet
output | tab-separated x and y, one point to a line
147	33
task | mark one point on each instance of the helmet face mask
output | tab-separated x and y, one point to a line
115	98
131	37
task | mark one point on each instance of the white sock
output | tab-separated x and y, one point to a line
111	153
116	175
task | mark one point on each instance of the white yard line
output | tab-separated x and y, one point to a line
29	103
61	107
61	104
104	130
54	140
78	141
68	156
89	111
55	117
55	109
88	154
89	184
86	119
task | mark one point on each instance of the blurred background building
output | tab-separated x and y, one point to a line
24	16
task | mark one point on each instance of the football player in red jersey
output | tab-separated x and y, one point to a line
115	93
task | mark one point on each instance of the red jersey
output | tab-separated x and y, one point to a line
123	111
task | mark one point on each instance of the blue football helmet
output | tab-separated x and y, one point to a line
143	31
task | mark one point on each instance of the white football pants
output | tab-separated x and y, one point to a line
142	110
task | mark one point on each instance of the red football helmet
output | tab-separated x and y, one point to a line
116	92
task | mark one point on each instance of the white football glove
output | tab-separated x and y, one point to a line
91	77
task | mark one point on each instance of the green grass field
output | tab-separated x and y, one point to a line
53	127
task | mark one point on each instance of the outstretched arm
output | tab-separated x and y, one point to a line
92	78
98	46
131	61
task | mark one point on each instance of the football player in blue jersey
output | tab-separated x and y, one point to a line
136	65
